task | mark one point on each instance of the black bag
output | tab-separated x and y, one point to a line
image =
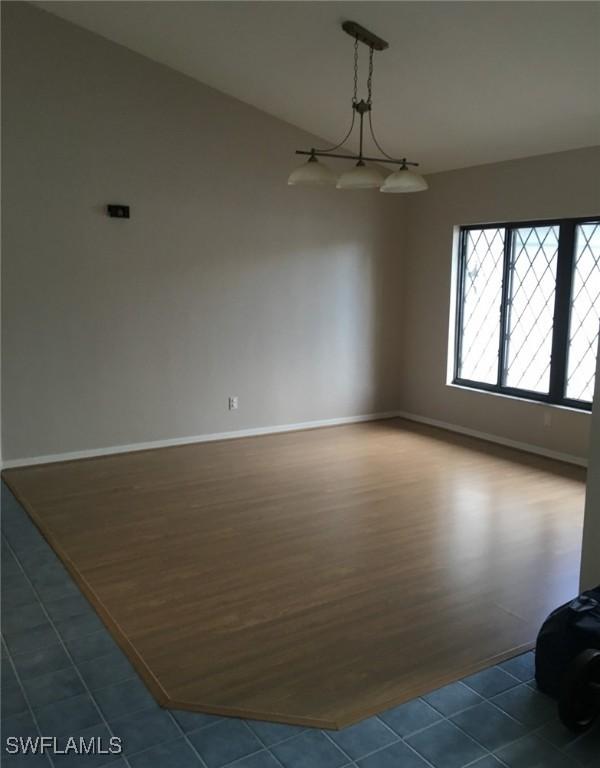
567	659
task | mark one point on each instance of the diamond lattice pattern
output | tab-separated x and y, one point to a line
531	308
585	313
482	291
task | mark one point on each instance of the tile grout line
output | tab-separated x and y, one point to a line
237	760
531	731
29	710
561	749
75	637
261	741
280	741
341	749
267	747
577	739
186	737
162	743
447	718
398	740
9	657
473	738
67	640
66	650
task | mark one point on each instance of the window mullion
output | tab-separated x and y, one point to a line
460	302
504	306
562	311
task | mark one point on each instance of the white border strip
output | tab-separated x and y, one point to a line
527	447
206	438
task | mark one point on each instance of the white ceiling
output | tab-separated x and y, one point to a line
463	83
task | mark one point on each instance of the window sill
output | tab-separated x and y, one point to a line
521	399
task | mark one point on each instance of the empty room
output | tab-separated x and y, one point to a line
299	321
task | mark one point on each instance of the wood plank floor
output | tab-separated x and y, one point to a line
314	577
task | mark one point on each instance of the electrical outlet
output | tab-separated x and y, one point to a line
233	403
547	419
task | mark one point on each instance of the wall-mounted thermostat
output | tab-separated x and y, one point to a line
118	211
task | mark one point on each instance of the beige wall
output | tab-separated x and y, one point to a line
224	281
565	184
590	556
307	304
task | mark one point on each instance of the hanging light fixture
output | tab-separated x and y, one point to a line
404	180
312	173
362	176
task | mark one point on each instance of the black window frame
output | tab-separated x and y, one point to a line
562	311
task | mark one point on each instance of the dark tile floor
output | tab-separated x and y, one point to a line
63	676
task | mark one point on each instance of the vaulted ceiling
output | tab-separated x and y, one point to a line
462	83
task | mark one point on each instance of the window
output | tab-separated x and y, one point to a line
528	310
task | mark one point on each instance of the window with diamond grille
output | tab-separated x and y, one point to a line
585	313
484	251
528	310
530	316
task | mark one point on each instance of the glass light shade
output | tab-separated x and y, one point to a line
312	173
361	177
404	181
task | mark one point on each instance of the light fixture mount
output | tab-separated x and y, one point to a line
364	36
401	180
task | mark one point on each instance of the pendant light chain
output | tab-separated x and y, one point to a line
370	77
354	96
354	102
370	102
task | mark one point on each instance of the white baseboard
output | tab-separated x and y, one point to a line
527	447
210	437
206	438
